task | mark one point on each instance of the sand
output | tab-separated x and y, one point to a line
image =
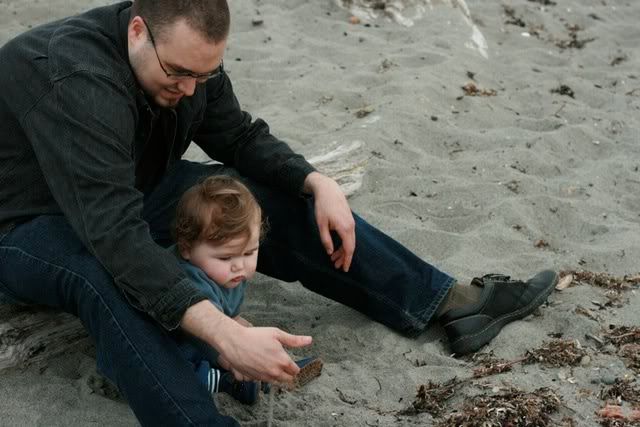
540	172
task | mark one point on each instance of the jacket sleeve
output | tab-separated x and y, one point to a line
227	134
82	132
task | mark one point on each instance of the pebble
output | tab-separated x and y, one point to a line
585	361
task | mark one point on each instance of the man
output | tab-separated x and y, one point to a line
96	112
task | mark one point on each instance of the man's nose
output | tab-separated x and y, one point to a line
187	86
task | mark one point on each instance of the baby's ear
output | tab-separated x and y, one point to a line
185	253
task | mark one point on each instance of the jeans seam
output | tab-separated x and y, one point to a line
113	319
409	318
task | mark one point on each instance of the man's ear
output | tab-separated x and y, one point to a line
136	31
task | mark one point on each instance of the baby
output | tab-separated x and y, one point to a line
218	229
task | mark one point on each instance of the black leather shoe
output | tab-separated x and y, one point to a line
245	392
502	301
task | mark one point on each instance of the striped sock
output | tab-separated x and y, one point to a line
213	381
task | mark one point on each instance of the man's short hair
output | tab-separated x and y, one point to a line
218	209
210	18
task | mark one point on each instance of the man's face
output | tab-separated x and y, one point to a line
180	50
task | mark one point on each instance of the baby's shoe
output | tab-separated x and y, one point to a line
219	380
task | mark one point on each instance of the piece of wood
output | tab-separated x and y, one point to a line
345	162
31	335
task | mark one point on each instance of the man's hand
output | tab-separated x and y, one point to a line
258	354
333	214
251	353
242	321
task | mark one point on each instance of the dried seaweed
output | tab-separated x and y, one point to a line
573	42
586	312
611	422
627	339
512	408
617	416
619	335
618	60
489	365
622	389
513	19
604	280
470	89
615	299
556	353
564	90
431	398
631	353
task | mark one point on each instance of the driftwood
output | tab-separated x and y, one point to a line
30	335
33	334
407	12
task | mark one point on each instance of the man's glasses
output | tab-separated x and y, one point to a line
184	75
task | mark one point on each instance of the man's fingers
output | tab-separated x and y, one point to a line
347	263
325	237
337	258
237	375
291	369
293	341
224	363
348	247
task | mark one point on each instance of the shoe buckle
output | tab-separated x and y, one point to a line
493	277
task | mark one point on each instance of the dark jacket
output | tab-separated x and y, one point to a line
74	126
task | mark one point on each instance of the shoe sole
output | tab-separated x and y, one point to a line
307	373
471	343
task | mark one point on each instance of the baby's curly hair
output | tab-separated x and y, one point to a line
218	209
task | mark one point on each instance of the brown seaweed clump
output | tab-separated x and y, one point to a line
604	280
556	353
631	353
627	340
471	89
489	365
431	398
573	42
617	416
514	408
621	390
620	335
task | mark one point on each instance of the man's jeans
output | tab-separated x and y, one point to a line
42	262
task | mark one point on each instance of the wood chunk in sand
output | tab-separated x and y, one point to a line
34	334
307	373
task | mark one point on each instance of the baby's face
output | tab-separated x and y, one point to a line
230	263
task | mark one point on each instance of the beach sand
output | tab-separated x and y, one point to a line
540	170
